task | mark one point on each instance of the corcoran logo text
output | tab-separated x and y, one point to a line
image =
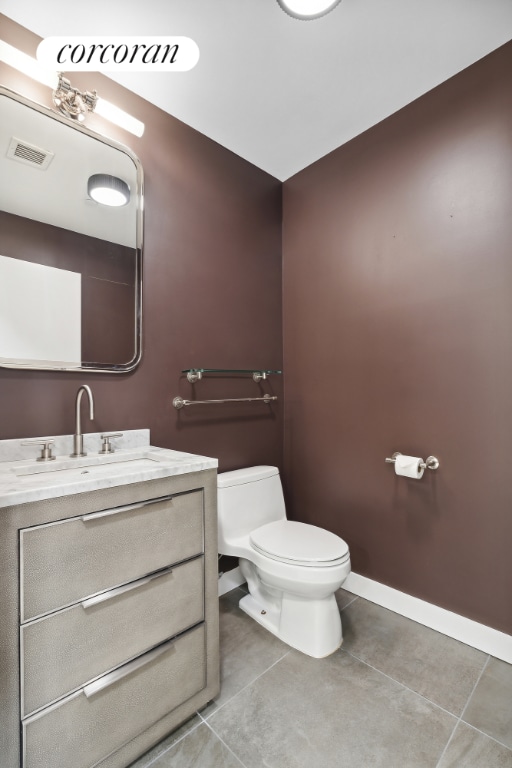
115	54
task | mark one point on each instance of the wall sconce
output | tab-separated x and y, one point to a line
108	190
307	9
70	101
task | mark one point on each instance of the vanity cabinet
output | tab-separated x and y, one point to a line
109	631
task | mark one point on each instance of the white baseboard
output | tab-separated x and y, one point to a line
470	632
230	580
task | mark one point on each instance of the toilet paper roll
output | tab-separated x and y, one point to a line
409	466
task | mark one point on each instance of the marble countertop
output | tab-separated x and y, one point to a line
23	479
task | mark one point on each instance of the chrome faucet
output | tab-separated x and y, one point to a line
78	438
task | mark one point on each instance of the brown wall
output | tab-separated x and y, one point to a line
398	337
398	320
212	295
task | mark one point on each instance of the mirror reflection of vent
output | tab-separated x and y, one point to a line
29	154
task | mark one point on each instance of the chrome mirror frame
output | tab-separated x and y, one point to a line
93	367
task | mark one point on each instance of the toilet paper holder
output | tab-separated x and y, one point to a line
431	462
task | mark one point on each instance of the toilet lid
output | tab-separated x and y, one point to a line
299	543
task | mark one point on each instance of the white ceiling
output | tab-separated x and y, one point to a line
282	92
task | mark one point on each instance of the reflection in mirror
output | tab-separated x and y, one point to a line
70	267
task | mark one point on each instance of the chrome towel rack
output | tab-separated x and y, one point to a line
179	402
431	462
196	374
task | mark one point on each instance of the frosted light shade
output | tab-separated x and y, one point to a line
26	64
307	9
119	117
108	190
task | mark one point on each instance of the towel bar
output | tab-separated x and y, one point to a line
179	402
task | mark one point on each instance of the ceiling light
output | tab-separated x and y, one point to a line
307	9
66	98
108	190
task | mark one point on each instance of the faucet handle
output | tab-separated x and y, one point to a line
46	450
106	446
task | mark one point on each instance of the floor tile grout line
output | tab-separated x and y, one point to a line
475	686
438	706
402	685
203	721
252	681
246	686
165	751
462	713
493	738
450	739
224	743
356	597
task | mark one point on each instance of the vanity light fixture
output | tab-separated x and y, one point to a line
108	190
307	9
70	101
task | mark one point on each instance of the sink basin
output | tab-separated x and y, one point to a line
130	465
91	464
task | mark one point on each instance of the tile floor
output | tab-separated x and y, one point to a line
397	695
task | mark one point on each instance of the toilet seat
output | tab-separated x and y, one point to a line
297	543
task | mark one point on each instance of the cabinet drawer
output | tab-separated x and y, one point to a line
64	562
86	727
61	652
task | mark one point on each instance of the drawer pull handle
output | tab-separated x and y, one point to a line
127	669
120	510
104	596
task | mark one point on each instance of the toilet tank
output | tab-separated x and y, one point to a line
247	499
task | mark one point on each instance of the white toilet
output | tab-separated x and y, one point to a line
292	569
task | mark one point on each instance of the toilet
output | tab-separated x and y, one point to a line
292	569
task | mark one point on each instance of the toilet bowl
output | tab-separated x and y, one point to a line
292	569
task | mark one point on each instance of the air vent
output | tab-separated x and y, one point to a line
27	153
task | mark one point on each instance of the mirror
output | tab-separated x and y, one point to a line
70	267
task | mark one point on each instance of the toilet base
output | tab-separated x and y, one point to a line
310	626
